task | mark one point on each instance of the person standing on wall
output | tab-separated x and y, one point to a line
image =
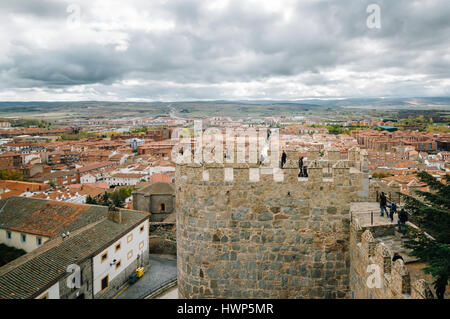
300	167
283	159
392	211
402	219
396	256
383	202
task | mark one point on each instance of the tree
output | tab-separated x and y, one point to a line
117	200
11	174
105	197
431	213
380	175
90	200
335	129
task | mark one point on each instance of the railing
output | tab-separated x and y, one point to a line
367	217
389	197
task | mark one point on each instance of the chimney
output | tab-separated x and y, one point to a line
114	214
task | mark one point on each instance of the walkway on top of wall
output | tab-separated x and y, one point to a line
363	211
162	272
392	239
385	231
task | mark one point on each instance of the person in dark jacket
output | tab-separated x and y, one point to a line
383	202
283	159
397	256
402	219
300	167
392	211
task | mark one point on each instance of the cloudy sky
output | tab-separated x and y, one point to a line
169	50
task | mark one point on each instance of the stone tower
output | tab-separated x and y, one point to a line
244	233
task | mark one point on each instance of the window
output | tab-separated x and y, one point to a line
105	283
38	241
141	229
44	296
141	245
118	246
129	238
130	254
162	208
104	257
118	264
8	235
23	238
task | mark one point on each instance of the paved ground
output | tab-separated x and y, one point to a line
170	294
163	270
363	210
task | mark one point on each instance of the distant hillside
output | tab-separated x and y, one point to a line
237	109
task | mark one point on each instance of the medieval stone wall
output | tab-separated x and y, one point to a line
370	260
244	233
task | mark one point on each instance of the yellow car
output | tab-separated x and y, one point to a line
140	272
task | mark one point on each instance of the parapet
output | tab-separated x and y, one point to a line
421	290
338	175
254	173
367	244
333	154
383	257
395	277
400	279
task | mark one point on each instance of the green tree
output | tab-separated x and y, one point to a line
380	175
11	174
117	200
431	213
90	200
335	129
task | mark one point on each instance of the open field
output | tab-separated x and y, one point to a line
339	110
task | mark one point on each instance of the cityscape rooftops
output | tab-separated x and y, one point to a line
26	276
45	218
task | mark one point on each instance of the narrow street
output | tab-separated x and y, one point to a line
163	271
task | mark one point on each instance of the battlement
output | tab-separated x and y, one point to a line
343	172
374	275
255	173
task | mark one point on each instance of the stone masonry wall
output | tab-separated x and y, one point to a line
395	280
265	238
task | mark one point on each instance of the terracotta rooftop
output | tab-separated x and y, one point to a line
102	185
128	175
29	275
23	186
43	217
155	178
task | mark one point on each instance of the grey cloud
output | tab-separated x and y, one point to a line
242	43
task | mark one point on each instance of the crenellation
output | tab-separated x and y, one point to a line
313	154
334	154
421	289
354	154
394	280
400	279
367	244
383	258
